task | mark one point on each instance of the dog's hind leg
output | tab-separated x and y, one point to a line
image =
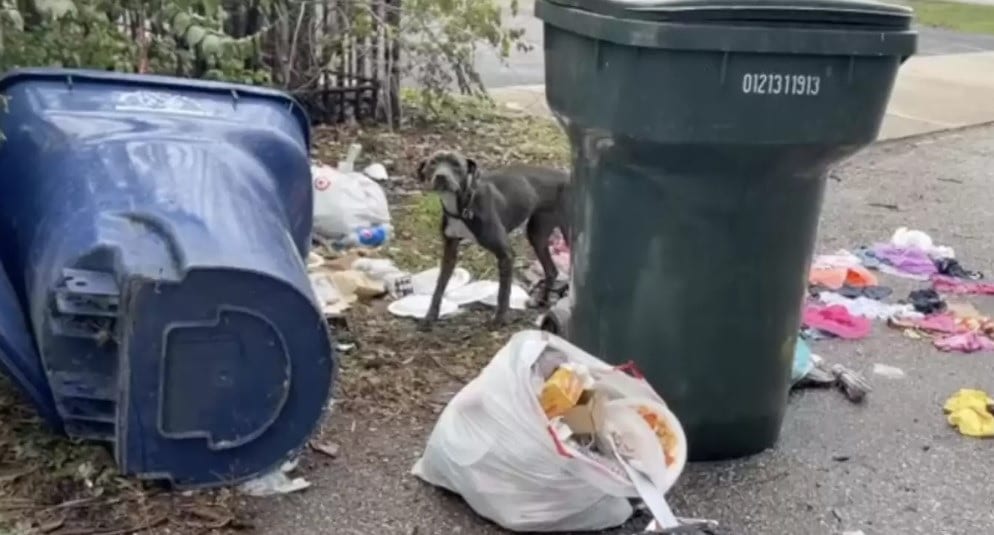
494	239
539	229
450	255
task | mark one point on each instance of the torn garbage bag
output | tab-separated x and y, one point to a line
529	443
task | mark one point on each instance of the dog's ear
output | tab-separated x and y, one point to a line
419	175
471	168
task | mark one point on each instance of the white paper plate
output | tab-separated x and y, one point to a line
486	292
424	282
473	292
416	306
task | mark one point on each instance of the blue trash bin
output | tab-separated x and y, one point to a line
155	232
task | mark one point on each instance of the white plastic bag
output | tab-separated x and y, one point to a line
345	202
494	446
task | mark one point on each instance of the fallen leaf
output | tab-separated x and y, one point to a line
330	449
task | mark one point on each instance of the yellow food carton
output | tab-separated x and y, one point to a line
561	392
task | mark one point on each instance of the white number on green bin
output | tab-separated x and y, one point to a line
780	84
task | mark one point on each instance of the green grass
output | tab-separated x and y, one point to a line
953	16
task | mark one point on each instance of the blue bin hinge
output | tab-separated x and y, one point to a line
86	304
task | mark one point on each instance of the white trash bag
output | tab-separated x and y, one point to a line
345	202
495	446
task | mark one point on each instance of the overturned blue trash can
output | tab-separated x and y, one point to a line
154	232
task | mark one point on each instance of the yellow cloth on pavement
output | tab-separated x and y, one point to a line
969	412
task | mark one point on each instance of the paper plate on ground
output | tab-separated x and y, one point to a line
424	282
486	292
416	306
473	292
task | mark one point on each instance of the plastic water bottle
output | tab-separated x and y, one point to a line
365	237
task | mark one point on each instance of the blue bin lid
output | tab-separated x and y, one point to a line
855	14
164	83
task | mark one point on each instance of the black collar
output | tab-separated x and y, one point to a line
464	202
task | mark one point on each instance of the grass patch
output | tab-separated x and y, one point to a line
970	18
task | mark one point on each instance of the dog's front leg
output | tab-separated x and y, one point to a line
450	254
505	270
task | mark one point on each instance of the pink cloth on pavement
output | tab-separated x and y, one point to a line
952	285
965	343
940	323
836	319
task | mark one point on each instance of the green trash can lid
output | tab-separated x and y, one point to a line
809	14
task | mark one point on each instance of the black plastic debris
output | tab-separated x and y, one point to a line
927	301
952	268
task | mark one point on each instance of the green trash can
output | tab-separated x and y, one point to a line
702	134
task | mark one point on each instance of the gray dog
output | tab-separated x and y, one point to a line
485	208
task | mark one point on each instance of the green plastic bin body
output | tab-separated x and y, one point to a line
702	135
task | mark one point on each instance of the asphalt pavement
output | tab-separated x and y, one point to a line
889	466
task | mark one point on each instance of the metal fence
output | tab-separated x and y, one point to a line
340	58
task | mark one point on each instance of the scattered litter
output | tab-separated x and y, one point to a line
377	172
969	411
353	282
275	482
331	449
513	464
951	267
485	292
889	372
685	525
814	335
839	259
332	301
314	261
473	292
803	364
853	385
518	301
915	239
822	374
836	320
951	285
868	308
556	319
944	323
835	278
416	306
905	261
970	342
398	282
927	301
424	283
877	293
350	209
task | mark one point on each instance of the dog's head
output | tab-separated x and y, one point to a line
448	171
